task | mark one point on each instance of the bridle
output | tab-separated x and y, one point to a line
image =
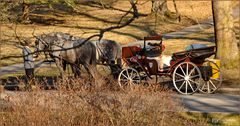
45	44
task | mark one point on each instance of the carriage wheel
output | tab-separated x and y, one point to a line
128	78
186	78
215	81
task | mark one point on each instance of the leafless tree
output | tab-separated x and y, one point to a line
25	12
159	6
176	10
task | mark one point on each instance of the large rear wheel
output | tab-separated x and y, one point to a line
186	78
128	78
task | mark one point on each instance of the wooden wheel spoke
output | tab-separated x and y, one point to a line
124	80
187	69
194	81
191	71
182	85
186	88
191	77
203	86
125	76
182	70
180	75
127	73
208	87
135	75
213	84
179	80
131	73
190	86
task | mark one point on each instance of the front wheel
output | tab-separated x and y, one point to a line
128	78
186	78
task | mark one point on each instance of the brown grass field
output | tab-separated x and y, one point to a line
82	105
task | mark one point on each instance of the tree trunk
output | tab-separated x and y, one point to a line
176	10
25	12
227	49
0	43
159	6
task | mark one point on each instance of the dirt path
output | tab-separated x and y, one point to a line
18	68
208	103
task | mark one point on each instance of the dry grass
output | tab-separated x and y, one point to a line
196	10
10	50
176	45
75	103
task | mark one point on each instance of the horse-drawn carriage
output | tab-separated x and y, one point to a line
190	70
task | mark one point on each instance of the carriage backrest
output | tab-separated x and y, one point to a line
130	51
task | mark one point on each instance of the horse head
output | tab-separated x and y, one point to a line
40	45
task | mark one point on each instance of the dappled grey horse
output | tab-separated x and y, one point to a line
108	52
64	48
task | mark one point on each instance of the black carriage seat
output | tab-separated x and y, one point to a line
153	52
153	49
197	55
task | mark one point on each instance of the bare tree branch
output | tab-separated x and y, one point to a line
176	10
135	15
100	35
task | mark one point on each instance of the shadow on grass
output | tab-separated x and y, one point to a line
12	83
218	119
43	14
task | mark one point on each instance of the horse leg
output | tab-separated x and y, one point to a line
119	62
118	68
60	67
76	70
64	63
92	70
115	68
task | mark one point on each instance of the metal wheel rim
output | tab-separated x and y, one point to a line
187	78
210	86
128	78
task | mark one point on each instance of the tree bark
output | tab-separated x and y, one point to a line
159	6
227	49
0	43
25	12
176	10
